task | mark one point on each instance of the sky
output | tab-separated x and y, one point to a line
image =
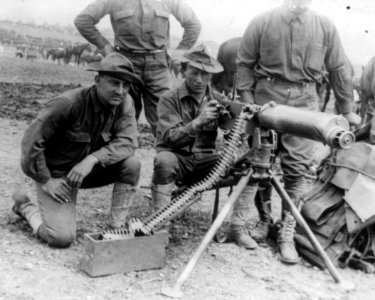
221	19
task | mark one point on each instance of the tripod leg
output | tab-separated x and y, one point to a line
296	214
175	291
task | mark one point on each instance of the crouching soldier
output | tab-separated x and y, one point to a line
186	135
84	138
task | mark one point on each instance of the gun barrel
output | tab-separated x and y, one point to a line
323	127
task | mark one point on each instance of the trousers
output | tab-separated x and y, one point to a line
59	224
153	69
298	156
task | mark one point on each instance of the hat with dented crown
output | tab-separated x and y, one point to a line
118	66
199	58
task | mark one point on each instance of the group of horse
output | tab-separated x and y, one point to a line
78	54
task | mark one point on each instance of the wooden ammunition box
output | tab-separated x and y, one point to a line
104	257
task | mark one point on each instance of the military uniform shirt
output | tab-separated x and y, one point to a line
139	24
74	125
295	49
177	109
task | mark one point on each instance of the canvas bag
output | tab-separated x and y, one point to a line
340	210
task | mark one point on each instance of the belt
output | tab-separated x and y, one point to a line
280	81
142	52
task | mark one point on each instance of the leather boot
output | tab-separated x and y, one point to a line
285	240
239	235
263	204
27	210
241	214
161	196
123	198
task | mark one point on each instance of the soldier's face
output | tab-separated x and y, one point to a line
196	80
111	91
298	6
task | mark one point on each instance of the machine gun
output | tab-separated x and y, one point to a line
262	123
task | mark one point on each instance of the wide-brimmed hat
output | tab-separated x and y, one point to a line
199	58
116	65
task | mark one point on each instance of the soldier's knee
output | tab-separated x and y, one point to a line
165	161
57	238
165	168
132	164
130	171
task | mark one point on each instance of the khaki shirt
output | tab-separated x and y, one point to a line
177	109
278	45
139	24
73	126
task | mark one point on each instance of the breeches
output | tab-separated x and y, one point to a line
59	220
297	155
153	70
171	167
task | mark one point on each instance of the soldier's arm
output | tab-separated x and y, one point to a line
248	56
86	22
188	20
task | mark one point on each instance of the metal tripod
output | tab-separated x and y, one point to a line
253	167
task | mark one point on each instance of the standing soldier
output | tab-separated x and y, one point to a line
141	29
281	58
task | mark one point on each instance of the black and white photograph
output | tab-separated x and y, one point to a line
187	149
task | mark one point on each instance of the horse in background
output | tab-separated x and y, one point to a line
77	51
224	81
58	54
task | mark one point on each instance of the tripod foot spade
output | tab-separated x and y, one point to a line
172	292
347	285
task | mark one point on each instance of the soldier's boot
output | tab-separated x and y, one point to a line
285	240
239	235
27	210
123	198
263	204
237	231
161	196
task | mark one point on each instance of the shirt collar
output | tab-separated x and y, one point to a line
184	93
288	16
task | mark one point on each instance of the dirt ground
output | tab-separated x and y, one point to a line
32	270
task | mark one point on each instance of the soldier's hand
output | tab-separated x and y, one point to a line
58	189
353	119
208	114
108	49
81	170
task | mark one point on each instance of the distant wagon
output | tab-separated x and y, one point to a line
29	53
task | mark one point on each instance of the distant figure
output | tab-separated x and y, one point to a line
141	30
84	138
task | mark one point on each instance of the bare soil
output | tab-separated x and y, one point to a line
32	270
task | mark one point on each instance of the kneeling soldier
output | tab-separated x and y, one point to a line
84	138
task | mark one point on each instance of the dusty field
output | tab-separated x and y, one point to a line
32	270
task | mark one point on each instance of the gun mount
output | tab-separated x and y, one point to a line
261	123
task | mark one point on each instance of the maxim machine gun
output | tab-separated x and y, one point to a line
262	125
